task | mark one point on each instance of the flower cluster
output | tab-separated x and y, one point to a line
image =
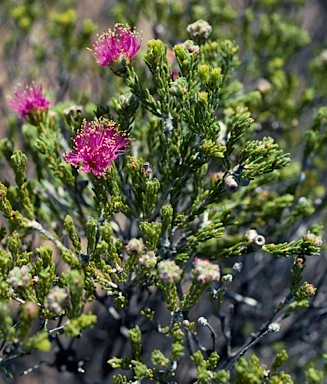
97	144
19	277
190	47
313	239
28	100
199	31
205	271
116	48
135	246
169	271
310	289
148	260
56	300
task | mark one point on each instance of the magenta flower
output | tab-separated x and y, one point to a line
116	48
29	99
97	144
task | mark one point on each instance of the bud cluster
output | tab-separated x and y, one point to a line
199	31
19	277
56	300
169	271
148	260
135	246
205	271
314	240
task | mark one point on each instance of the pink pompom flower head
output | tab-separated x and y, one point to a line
116	48
97	144
29	101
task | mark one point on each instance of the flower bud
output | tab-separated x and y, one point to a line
147	170
310	289
56	300
19	277
148	260
314	240
179	87
205	271
199	31
191	47
299	261
135	246
182	51
169	271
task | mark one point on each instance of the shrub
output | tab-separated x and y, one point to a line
162	218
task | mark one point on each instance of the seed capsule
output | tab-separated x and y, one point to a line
259	241
231	183
251	234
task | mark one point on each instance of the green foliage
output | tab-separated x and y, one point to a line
75	326
251	371
205	369
74	280
314	376
208	177
39	341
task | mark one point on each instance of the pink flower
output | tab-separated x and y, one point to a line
29	99
97	144
116	48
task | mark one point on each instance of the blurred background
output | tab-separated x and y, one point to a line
283	45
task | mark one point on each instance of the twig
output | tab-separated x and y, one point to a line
33	224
